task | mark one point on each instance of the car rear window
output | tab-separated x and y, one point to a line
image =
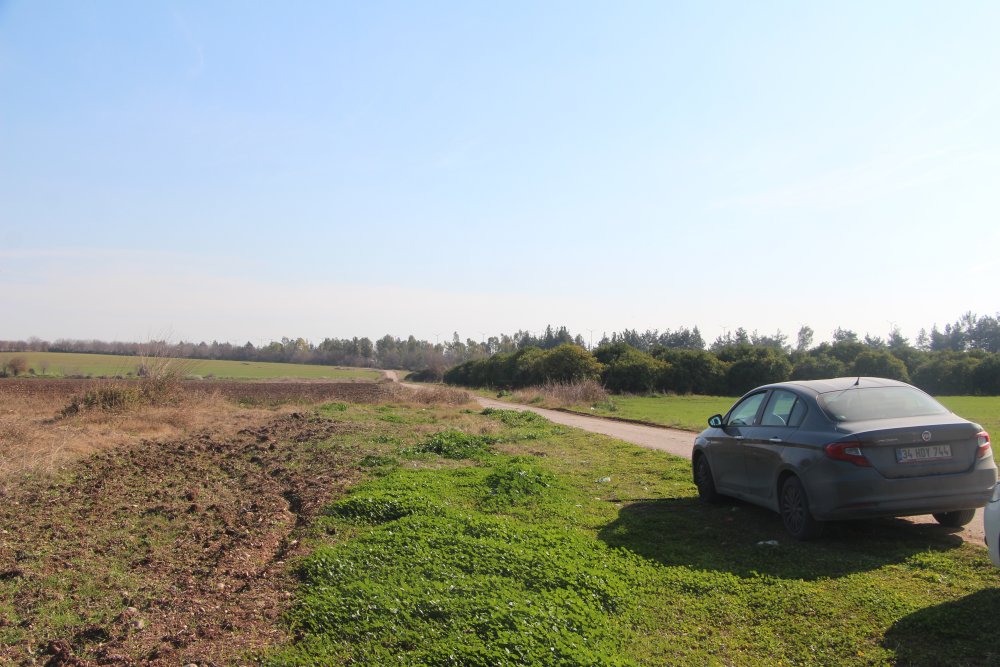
863	403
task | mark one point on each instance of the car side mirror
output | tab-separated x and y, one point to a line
715	421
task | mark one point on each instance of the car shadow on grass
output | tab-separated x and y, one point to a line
962	631
745	539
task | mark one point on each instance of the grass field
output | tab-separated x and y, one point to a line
515	541
692	412
984	410
410	533
63	364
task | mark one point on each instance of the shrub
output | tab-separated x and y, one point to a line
633	371
946	373
879	363
569	363
527	367
817	367
754	366
426	375
986	376
17	365
691	371
121	396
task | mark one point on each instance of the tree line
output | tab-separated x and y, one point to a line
961	358
386	352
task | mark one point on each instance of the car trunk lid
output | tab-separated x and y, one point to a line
917	447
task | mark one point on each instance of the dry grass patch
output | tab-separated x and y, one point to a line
36	437
563	394
45	424
433	395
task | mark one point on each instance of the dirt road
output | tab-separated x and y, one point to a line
678	443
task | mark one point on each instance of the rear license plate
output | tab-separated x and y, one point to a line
923	453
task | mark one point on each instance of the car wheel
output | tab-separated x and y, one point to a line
795	513
955	519
704	481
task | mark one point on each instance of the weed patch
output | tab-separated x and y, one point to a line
118	397
454	444
376	461
378	508
516	418
516	481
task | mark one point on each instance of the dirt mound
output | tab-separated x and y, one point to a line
167	552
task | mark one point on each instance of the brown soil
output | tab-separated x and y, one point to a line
213	521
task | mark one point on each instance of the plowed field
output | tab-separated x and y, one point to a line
164	553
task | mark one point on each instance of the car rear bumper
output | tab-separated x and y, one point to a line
865	493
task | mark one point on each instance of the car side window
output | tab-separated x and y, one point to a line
798	413
744	413
783	409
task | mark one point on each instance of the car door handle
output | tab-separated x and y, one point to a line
775	440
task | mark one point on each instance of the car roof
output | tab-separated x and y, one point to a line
839	384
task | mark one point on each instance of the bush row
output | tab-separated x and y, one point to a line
732	370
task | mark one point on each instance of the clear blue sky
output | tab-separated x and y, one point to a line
245	171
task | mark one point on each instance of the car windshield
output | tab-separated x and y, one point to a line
859	404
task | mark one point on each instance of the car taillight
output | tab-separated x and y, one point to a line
984	448
847	450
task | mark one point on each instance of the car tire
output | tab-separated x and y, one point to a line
795	513
704	481
955	519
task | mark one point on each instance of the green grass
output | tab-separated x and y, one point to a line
686	412
692	412
523	555
62	364
984	410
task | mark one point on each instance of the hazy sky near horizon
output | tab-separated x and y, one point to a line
246	171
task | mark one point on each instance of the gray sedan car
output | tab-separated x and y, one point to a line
845	448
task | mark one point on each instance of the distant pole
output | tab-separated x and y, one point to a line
591	338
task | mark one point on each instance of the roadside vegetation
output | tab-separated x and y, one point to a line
732	368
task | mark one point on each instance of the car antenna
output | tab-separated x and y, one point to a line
858	381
